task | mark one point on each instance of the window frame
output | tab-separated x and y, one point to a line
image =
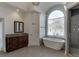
46	27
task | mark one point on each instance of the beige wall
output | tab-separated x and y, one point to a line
9	14
31	27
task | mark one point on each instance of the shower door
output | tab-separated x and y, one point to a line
74	32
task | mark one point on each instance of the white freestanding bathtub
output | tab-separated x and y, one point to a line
54	43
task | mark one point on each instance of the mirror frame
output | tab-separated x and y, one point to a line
19	27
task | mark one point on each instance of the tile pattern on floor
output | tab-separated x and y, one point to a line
34	52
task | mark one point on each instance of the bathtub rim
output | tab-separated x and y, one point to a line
54	39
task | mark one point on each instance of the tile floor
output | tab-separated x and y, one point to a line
34	52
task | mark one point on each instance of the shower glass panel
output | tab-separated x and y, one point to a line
74	32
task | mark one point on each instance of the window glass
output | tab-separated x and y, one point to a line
56	14
56	24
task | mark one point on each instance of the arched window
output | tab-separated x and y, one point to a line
55	24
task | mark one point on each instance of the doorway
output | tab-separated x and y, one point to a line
73	30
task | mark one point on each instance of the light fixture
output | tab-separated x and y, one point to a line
35	3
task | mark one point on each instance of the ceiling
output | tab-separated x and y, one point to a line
28	6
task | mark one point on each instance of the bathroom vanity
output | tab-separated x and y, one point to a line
16	41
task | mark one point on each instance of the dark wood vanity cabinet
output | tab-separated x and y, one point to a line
16	41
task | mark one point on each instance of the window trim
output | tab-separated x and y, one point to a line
46	27
55	11
55	18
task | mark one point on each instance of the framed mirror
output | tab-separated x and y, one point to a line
18	27
21	26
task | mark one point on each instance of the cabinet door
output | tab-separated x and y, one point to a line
23	41
11	43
